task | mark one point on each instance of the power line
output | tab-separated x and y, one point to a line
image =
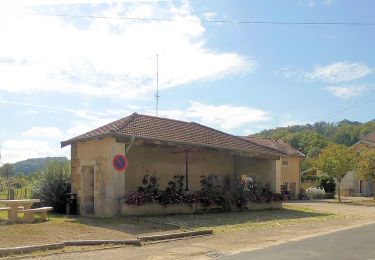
361	102
207	21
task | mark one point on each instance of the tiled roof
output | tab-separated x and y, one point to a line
277	145
368	139
180	132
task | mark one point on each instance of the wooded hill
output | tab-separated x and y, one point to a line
310	139
33	165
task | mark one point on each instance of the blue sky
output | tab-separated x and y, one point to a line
62	76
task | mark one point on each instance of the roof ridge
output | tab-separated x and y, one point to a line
164	118
127	122
271	148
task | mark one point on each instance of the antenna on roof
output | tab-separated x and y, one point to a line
157	84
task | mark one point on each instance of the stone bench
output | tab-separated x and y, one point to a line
5	209
29	213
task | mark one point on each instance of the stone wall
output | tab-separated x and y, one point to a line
109	186
155	209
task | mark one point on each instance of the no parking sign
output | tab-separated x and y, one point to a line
120	162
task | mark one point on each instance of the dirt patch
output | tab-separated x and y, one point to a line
225	243
246	220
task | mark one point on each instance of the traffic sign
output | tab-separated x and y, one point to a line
120	162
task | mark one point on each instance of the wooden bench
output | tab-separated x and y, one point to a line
29	213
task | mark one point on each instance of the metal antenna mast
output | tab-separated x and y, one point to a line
157	84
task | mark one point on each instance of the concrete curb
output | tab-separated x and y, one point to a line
134	242
29	249
176	235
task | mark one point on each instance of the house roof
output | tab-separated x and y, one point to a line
368	139
175	131
277	145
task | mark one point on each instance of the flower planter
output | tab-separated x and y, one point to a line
264	206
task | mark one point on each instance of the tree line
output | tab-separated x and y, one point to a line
310	139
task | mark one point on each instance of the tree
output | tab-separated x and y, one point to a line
336	160
7	173
366	165
52	185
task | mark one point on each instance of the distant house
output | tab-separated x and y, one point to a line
165	147
288	164
352	184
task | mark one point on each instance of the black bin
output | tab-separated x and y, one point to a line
71	204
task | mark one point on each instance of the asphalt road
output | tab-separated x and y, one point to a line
357	243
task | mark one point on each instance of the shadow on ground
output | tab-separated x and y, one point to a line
210	220
129	225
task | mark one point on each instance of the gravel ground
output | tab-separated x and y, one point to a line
239	241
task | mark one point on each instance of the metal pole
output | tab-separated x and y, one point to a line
157	84
186	170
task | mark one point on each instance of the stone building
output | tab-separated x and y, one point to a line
162	147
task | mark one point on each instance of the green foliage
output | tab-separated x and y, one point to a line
366	164
7	171
150	185
335	160
327	183
30	166
52	185
176	186
310	139
213	195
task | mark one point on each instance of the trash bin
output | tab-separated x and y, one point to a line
71	204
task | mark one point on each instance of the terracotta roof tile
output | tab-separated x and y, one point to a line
277	145
150	127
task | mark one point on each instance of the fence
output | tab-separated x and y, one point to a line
22	193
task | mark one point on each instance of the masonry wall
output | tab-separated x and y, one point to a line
350	186
166	162
291	172
109	186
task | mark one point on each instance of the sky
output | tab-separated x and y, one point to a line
64	72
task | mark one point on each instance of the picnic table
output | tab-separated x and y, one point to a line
15	205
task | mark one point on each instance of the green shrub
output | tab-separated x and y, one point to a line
52	185
327	183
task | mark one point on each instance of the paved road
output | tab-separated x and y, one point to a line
357	243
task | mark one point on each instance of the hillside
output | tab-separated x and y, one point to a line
310	139
32	165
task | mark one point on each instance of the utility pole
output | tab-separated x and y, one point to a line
157	84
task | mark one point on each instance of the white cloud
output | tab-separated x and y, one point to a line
52	132
346	92
209	15
109	57
327	2
227	116
16	150
333	73
65	2
339	72
312	3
